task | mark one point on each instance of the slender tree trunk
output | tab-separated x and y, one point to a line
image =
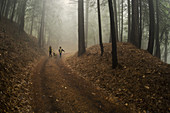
129	22
81	41
13	10
115	8
157	53
162	33
140	35
23	15
32	20
119	16
116	24
3	8
151	27
113	34
32	23
122	24
135	24
100	28
41	38
7	8
87	20
166	46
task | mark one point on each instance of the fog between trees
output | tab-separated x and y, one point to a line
56	21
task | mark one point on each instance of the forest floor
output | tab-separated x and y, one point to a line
18	53
33	82
57	89
141	81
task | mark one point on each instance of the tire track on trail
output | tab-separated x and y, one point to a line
41	102
58	90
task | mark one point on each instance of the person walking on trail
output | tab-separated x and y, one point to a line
50	51
60	51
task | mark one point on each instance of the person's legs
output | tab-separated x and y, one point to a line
50	54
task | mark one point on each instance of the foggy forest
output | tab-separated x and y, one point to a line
84	56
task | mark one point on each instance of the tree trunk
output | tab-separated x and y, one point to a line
116	25
100	28
32	23
87	20
119	17
32	20
2	3
13	10
157	53
122	24
113	34
3	7
7	8
23	15
166	46
140	35
135	24
81	41
41	37
151	27
129	22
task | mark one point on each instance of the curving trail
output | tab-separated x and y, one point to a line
56	90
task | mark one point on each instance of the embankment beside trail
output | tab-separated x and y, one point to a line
18	51
140	82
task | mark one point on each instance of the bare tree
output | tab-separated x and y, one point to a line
140	28
22	19
151	27
129	23
166	46
100	28
113	34
41	34
135	24
122	23
157	52
81	40
13	9
87	20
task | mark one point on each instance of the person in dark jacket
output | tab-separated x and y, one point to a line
60	51
50	51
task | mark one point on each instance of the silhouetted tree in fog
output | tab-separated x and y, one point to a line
151	27
135	24
32	16
140	26
157	52
166	46
13	9
22	19
113	35
2	7
129	22
41	34
7	8
100	28
122	23
87	20
115	13
81	40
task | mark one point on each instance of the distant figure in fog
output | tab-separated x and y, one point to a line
50	51
60	51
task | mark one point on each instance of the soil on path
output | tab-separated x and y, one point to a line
56	89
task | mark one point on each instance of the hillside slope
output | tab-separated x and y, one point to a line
141	81
18	51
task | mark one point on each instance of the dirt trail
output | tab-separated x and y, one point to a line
56	90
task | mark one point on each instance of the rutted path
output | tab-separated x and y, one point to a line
57	89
